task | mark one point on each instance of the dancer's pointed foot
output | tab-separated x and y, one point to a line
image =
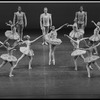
30	67
53	62
49	62
10	75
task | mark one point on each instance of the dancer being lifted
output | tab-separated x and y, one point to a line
26	51
9	56
45	23
53	41
91	58
78	52
20	16
96	36
11	34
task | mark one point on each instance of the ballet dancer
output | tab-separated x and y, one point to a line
21	17
53	41
96	36
26	51
45	23
11	34
8	58
91	58
81	18
78	52
75	33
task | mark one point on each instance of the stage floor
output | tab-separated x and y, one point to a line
44	81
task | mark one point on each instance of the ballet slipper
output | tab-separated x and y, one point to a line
11	75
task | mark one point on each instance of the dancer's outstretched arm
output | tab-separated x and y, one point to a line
92	46
36	38
70	38
8	24
69	25
61	27
95	24
84	38
3	45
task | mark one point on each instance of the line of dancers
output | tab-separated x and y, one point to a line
50	38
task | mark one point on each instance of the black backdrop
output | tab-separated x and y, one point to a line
61	13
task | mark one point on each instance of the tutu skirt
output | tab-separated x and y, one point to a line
75	34
53	41
78	52
95	37
91	59
26	51
11	35
9	58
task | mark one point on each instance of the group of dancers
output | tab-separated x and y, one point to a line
75	36
50	38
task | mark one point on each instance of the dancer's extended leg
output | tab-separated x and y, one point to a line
88	69
53	54
50	53
30	62
15	65
95	63
3	63
75	62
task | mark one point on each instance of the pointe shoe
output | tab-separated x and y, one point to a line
11	75
53	62
89	76
76	69
50	63
30	67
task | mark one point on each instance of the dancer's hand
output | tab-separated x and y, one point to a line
92	21
25	24
66	24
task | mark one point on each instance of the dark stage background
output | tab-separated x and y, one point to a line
61	13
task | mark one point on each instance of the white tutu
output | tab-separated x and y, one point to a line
11	35
95	37
75	34
8	57
26	51
82	31
91	59
78	52
53	41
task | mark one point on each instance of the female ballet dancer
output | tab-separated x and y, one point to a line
78	52
11	34
9	56
75	33
96	36
53	41
91	58
26	51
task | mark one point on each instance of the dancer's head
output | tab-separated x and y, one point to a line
7	44
98	23
19	8
45	10
10	22
27	37
52	28
81	8
90	43
75	26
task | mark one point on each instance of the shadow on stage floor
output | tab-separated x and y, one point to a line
44	81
